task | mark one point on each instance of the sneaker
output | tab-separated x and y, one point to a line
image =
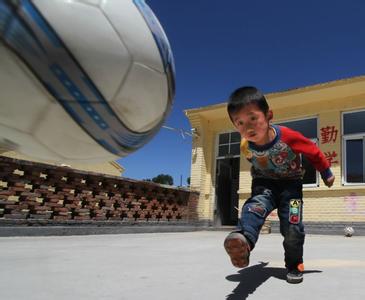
238	249
295	275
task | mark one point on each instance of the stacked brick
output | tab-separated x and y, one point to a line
33	191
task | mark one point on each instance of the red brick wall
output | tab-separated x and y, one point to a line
32	191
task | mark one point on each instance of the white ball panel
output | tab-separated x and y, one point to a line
28	145
142	108
89	2
95	44
66	137
138	40
23	99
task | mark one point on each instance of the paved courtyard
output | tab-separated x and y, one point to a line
177	266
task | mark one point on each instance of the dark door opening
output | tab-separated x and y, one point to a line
227	184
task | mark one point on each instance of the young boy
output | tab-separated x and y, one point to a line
274	152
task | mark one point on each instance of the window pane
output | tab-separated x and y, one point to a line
235	149
224	138
223	150
354	161
354	122
235	137
306	127
229	144
310	175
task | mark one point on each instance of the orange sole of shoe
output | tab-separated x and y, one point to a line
300	267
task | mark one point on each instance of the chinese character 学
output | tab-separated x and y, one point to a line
330	156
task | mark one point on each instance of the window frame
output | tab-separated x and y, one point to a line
344	139
315	184
229	145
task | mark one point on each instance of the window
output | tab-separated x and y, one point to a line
353	147
229	144
307	127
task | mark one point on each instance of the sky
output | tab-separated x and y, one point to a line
220	45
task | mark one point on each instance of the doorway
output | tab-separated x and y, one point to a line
227	184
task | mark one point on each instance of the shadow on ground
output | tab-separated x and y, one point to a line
252	277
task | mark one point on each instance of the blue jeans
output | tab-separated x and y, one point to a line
285	196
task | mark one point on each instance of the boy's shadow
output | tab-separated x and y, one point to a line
252	277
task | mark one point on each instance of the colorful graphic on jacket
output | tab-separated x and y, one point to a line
279	161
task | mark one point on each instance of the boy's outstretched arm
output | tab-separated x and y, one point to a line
301	144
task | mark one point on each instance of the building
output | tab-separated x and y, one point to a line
331	114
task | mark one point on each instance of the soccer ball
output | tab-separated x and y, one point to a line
349	231
82	80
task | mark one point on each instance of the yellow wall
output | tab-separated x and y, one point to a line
324	101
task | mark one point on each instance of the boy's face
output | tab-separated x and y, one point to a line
253	124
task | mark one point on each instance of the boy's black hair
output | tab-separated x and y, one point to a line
244	96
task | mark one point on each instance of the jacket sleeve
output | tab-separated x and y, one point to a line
302	145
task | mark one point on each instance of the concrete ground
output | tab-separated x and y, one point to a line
177	266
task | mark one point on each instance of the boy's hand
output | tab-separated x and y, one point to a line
329	181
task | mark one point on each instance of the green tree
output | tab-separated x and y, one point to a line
163	179
188	181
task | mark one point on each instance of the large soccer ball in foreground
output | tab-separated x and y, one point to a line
85	81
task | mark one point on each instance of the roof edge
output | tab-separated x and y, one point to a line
287	92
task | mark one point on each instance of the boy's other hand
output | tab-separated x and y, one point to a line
329	181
